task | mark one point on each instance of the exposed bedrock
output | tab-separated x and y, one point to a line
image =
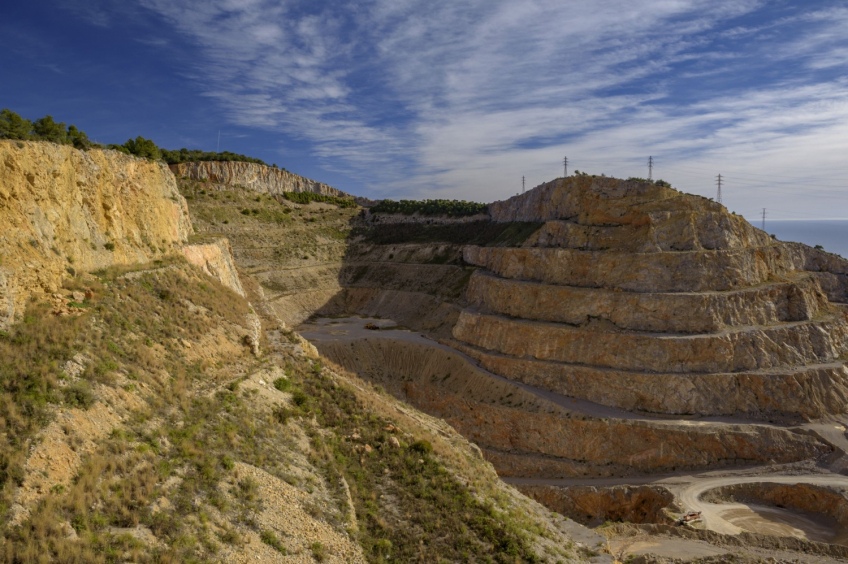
65	210
683	271
252	176
802	392
648	311
592	506
524	434
664	218
735	350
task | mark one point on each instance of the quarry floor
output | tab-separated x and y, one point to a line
687	487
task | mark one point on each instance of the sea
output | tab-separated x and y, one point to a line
832	234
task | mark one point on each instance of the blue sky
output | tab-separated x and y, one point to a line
460	99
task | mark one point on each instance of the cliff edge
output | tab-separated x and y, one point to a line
66	210
256	177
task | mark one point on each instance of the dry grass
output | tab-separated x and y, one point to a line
139	331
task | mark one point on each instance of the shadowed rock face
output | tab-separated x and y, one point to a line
628	294
592	506
651	307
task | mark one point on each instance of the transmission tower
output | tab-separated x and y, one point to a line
764	219
718	195
650	168
522	184
565	167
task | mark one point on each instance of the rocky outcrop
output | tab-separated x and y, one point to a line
216	260
591	505
526	435
641	297
253	176
66	210
676	324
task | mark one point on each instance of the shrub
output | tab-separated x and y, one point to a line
450	208
282	384
421	446
79	394
269	538
307	197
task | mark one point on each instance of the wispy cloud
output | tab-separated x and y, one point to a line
463	98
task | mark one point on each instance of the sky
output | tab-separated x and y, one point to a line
473	99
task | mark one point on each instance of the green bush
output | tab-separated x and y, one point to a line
421	447
269	538
79	395
450	208
282	384
184	155
13	126
307	197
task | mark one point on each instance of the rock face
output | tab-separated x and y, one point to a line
592	505
65	210
525	435
253	176
641	297
672	332
216	260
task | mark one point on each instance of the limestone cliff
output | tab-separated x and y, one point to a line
626	280
66	210
253	176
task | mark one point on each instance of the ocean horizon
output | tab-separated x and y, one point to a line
831	234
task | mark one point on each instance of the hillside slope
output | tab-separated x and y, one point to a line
149	415
590	332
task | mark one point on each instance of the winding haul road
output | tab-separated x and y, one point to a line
727	518
733	518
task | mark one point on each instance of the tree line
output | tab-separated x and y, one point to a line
13	126
450	208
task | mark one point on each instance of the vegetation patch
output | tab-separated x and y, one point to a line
450	208
484	233
410	507
309	197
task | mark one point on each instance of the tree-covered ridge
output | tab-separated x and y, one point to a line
307	197
146	148
13	126
193	155
450	208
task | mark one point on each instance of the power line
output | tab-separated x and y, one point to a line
718	196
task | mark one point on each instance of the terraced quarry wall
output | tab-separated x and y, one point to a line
589	328
623	294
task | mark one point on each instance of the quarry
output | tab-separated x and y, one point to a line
589	361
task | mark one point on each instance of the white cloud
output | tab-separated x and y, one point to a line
463	98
